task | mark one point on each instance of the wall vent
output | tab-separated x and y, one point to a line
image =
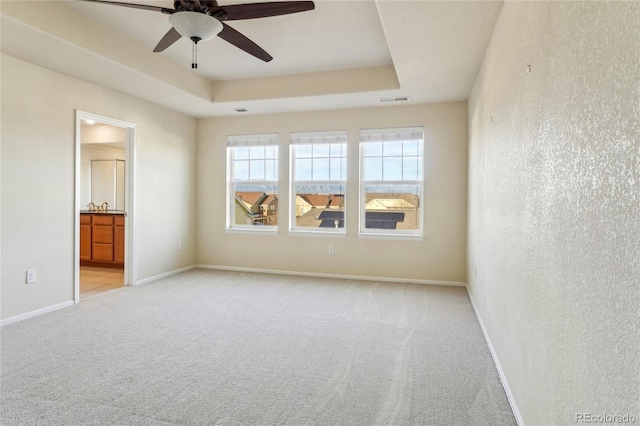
394	99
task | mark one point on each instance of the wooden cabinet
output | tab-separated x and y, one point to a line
85	238
102	239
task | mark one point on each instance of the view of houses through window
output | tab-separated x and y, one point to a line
319	172
253	181
256	207
392	180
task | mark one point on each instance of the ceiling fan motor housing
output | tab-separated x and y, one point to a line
197	6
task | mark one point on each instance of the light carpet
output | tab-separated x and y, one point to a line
227	348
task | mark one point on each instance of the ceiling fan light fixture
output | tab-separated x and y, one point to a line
196	25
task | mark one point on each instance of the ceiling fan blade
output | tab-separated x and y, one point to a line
263	10
242	42
169	38
135	6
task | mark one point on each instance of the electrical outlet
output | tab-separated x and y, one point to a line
31	276
331	250
179	246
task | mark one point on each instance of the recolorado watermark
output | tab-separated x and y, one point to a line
605	418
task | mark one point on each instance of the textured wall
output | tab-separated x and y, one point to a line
440	256
38	165
554	206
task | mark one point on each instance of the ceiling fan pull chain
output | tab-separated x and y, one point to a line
194	52
194	55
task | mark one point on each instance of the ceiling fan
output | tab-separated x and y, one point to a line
201	20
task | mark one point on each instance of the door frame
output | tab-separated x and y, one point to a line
130	197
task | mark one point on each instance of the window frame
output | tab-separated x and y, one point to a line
391	135
316	138
265	140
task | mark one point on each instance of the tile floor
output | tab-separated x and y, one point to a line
96	280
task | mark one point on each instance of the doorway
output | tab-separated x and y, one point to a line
104	206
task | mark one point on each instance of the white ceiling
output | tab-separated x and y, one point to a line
293	40
345	53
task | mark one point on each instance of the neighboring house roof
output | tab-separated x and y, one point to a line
316	200
411	199
374	220
250	197
302	201
329	219
336	200
389	204
270	199
383	220
310	218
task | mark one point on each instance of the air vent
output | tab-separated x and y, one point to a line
396	99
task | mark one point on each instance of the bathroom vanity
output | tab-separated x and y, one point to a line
102	239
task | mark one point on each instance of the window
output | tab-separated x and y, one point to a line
318	181
252	182
391	182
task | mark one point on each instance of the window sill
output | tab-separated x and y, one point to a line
406	237
300	233
251	231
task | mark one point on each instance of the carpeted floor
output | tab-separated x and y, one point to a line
227	348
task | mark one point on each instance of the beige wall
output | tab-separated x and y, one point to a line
38	143
554	206
440	256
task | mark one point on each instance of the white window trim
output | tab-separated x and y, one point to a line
310	138
250	229
381	135
387	236
305	233
391	134
248	140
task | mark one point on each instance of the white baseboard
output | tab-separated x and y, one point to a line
496	361
322	275
36	313
164	275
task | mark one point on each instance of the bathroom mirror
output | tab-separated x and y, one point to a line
107	183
